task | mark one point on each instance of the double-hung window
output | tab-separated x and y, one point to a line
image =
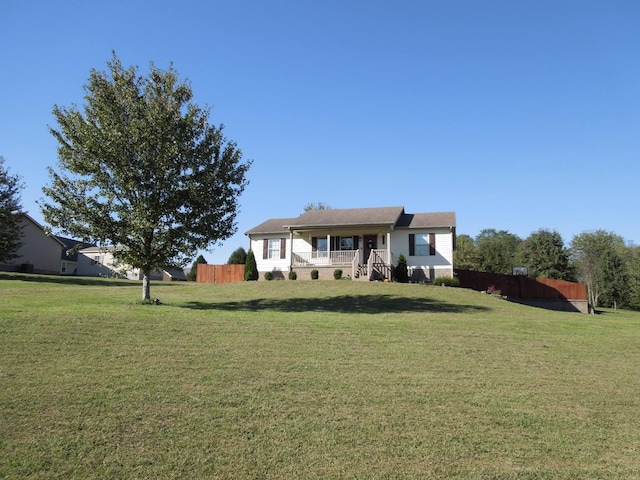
274	248
422	244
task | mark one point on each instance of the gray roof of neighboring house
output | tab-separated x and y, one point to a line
390	216
70	246
176	273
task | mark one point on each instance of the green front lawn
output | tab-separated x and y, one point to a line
310	379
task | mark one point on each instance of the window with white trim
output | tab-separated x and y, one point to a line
274	248
422	244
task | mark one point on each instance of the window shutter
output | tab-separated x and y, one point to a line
356	242
283	248
265	249
412	244
432	244
314	247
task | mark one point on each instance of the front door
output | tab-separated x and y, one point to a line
370	243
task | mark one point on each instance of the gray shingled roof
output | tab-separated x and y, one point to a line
389	216
427	220
347	217
275	225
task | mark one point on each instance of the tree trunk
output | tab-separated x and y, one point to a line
146	287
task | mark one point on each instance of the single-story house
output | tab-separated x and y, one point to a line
365	243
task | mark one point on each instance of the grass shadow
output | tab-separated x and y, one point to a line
69	280
367	304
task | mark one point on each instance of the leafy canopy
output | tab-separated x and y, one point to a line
140	167
543	252
238	257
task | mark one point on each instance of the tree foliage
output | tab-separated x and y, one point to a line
497	251
544	253
317	206
10	218
238	257
613	279
402	271
466	256
588	251
634	278
141	168
251	267
192	276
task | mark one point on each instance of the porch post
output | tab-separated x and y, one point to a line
389	248
328	249
290	249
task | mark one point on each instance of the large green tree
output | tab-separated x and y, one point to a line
613	280
466	256
634	277
588	251
497	250
10	217
141	168
544	253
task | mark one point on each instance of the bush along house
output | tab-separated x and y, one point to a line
365	243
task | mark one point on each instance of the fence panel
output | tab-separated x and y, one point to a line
523	287
220	273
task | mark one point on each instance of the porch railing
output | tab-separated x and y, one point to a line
379	262
338	257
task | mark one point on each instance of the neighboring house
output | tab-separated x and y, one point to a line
100	262
71	254
364	243
49	254
40	252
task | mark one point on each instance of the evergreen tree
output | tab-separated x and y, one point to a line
193	274
250	267
402	273
238	257
10	217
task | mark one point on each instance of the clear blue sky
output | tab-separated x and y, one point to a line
517	115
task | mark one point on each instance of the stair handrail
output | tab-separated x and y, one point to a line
355	263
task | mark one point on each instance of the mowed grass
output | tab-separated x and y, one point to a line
322	379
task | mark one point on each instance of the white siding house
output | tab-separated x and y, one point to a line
365	243
99	262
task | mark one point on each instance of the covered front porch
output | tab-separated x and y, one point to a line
358	255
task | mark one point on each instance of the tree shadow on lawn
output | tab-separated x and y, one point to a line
369	304
69	280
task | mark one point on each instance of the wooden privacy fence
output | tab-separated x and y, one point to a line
523	287
220	273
